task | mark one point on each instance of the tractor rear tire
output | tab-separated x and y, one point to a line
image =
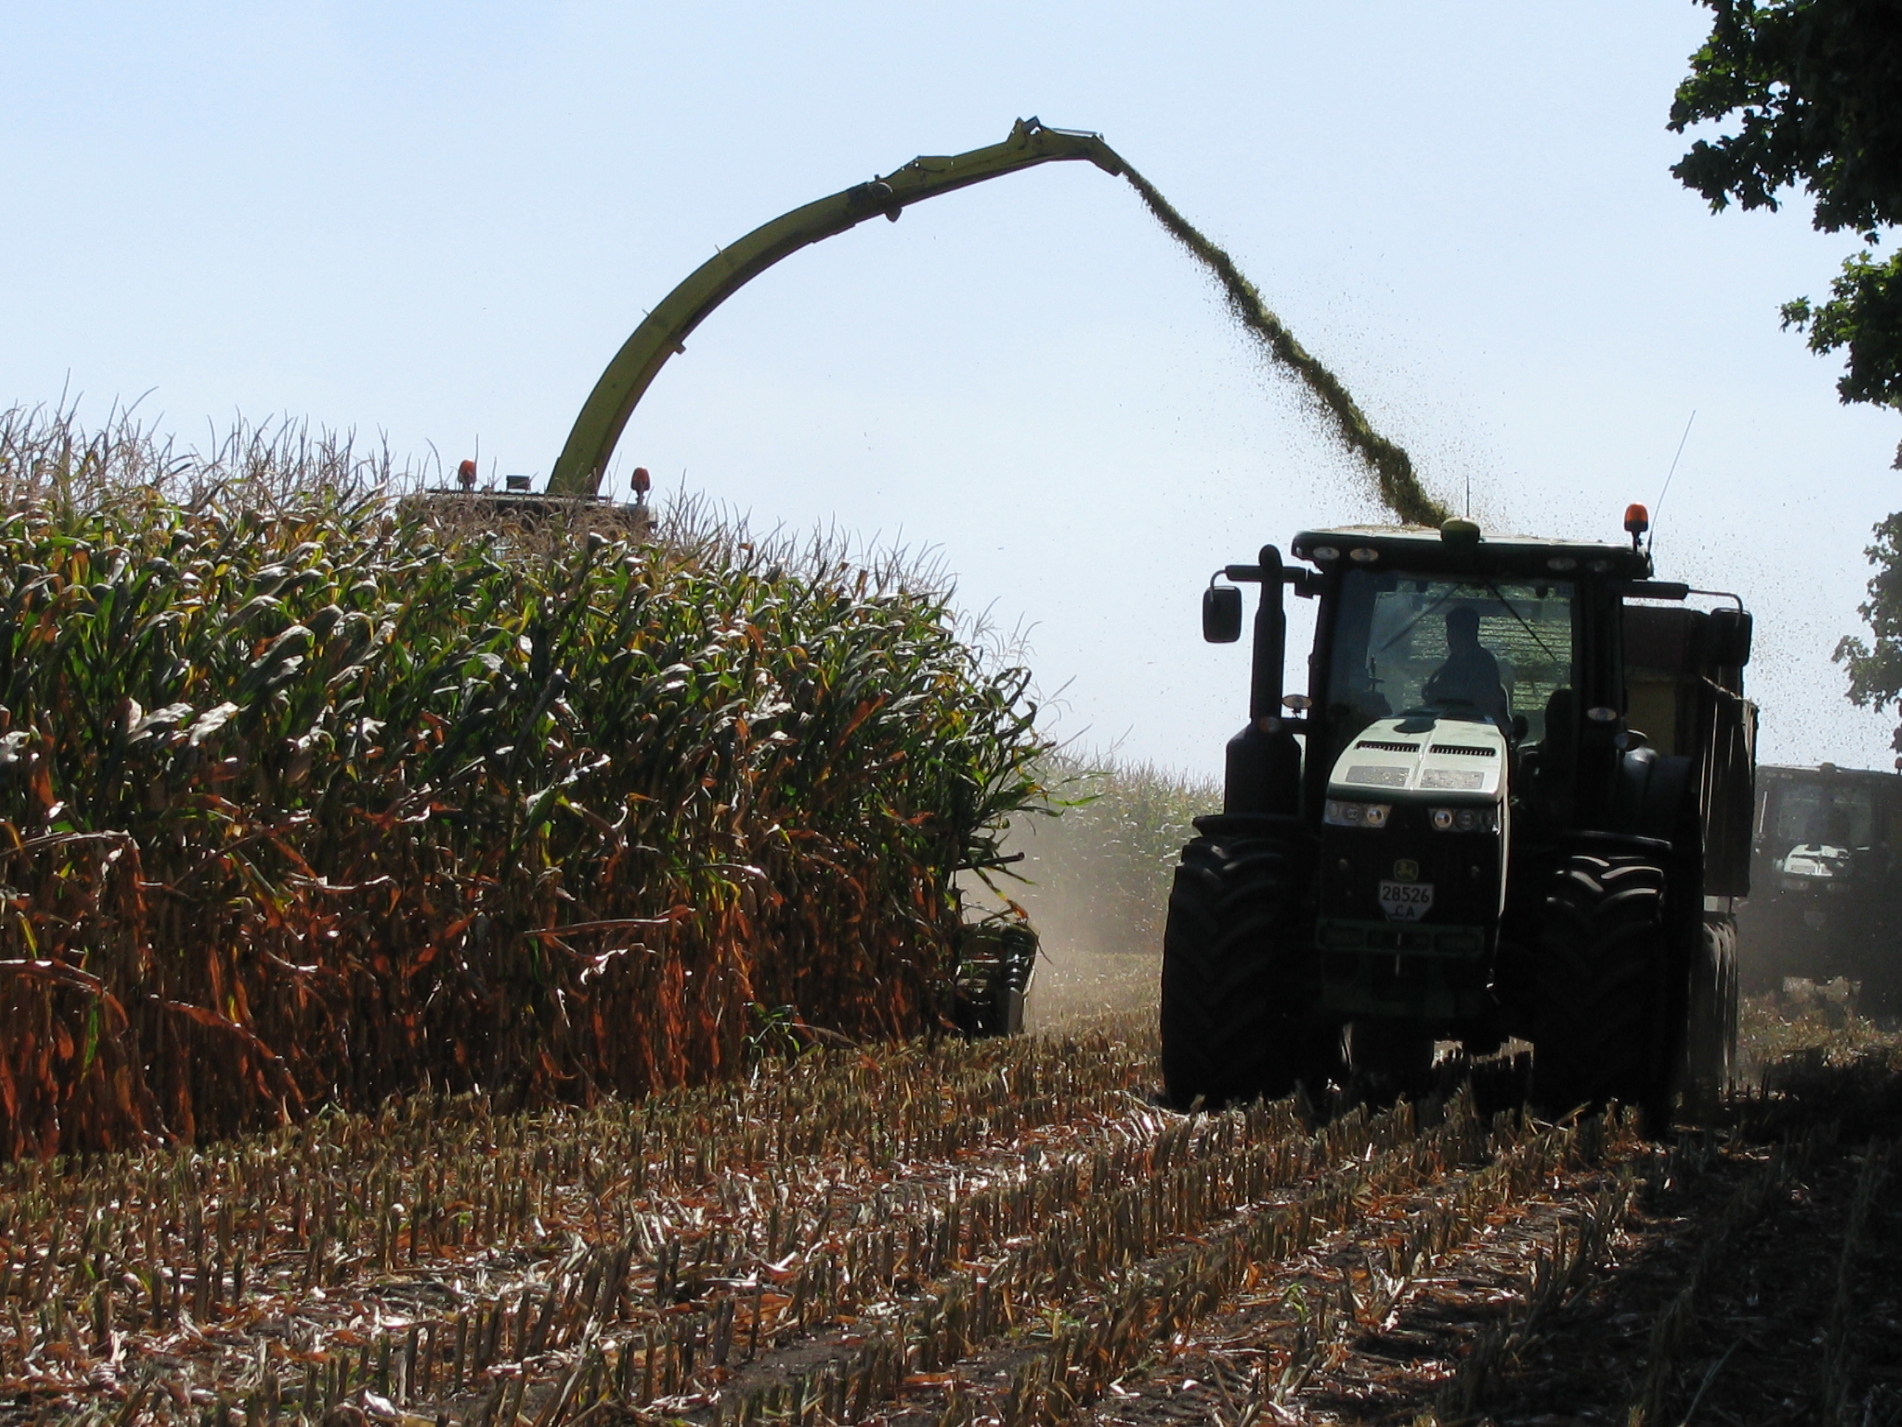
1232	1027
1602	1021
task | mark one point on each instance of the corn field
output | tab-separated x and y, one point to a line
1092	874
307	801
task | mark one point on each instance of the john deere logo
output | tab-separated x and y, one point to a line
1406	870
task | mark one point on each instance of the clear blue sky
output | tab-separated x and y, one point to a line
437	222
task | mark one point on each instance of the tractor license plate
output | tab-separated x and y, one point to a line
1405	901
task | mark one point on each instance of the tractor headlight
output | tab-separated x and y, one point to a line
1462	819
1345	814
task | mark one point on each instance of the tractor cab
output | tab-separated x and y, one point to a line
1434	645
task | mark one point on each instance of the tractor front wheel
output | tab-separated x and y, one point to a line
1232	1025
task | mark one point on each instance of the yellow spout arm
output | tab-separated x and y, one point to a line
579	470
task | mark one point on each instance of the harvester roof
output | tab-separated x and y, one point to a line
1462	549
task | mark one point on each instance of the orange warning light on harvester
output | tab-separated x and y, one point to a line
1637	521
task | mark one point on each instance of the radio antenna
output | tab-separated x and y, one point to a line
1667	483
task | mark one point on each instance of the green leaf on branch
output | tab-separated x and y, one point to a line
1812	93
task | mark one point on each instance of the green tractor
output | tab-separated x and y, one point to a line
1515	801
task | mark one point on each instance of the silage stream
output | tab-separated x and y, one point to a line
1397	485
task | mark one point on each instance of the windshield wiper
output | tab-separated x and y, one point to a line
1410	625
1544	648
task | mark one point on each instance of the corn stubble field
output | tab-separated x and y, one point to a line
451	981
1000	1232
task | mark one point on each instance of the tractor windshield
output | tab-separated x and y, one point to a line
1493	650
1830	816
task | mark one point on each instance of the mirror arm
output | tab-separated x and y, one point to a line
1304	582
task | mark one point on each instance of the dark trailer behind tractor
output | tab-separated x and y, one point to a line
1514	800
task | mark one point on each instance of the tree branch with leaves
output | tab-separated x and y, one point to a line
1875	670
1811	91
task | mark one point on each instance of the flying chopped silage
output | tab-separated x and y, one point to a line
1399	488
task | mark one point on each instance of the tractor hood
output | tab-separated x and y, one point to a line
1422	758
1810	862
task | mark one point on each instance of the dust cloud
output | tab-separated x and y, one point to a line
1095	960
1094	881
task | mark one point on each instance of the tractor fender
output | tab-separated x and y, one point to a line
1648	794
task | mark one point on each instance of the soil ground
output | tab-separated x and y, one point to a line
1006	1232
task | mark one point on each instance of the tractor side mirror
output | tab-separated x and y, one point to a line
1221	614
1730	634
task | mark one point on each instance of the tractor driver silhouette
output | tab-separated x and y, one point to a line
1469	679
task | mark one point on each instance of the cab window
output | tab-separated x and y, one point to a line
1832	817
1481	650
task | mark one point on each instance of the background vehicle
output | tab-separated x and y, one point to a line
997	961
1410	857
1826	884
